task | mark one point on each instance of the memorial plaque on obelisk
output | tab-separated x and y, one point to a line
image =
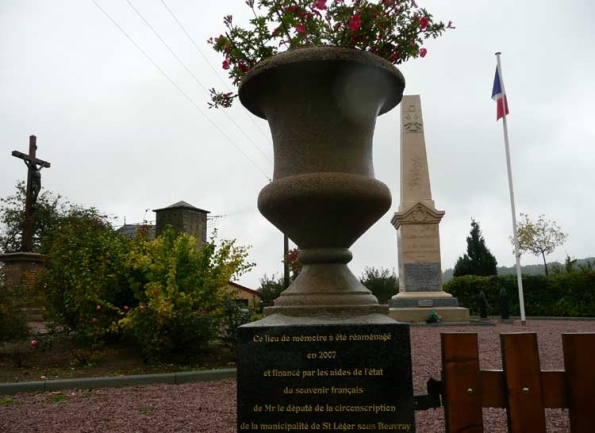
417	224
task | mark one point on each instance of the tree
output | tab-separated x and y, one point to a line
48	208
294	262
539	237
478	260
381	282
84	269
270	288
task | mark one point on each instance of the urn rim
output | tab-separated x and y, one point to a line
301	55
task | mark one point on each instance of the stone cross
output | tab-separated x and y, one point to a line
34	166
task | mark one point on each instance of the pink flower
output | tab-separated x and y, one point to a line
300	29
355	23
98	307
423	52
225	64
423	23
320	4
34	344
94	320
125	307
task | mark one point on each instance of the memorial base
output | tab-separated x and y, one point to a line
325	373
21	270
416	315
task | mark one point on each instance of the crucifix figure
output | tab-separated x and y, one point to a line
34	166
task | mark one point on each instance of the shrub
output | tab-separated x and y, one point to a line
13	323
84	279
235	315
381	282
270	289
181	292
562	295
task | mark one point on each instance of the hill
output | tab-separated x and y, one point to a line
529	269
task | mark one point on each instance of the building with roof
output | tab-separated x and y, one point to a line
184	218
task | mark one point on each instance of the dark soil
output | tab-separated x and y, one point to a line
19	362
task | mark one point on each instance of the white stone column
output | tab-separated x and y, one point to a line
418	234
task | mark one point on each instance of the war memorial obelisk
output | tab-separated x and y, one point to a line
418	237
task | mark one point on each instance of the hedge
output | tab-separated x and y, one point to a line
561	295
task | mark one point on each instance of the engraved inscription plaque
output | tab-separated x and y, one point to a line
334	378
425	303
422	277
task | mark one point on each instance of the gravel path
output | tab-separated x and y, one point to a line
209	407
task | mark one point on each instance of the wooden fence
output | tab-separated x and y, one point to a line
520	387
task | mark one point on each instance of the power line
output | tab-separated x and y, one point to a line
195	79
180	90
211	65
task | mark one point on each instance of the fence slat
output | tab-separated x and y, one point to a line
553	389
493	389
461	383
579	363
522	375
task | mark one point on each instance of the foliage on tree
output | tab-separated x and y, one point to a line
478	260
48	208
270	288
572	265
84	280
381	282
539	237
234	315
168	294
181	291
295	265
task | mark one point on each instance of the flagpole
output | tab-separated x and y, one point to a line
512	207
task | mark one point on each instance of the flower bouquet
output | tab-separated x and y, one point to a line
392	29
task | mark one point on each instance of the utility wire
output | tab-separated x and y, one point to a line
181	91
195	79
211	65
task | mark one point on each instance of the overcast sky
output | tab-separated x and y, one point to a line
124	138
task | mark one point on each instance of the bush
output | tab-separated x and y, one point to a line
13	323
270	289
562	295
181	292
381	282
235	315
84	279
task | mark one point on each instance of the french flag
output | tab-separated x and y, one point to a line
499	95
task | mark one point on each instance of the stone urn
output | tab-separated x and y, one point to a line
321	104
